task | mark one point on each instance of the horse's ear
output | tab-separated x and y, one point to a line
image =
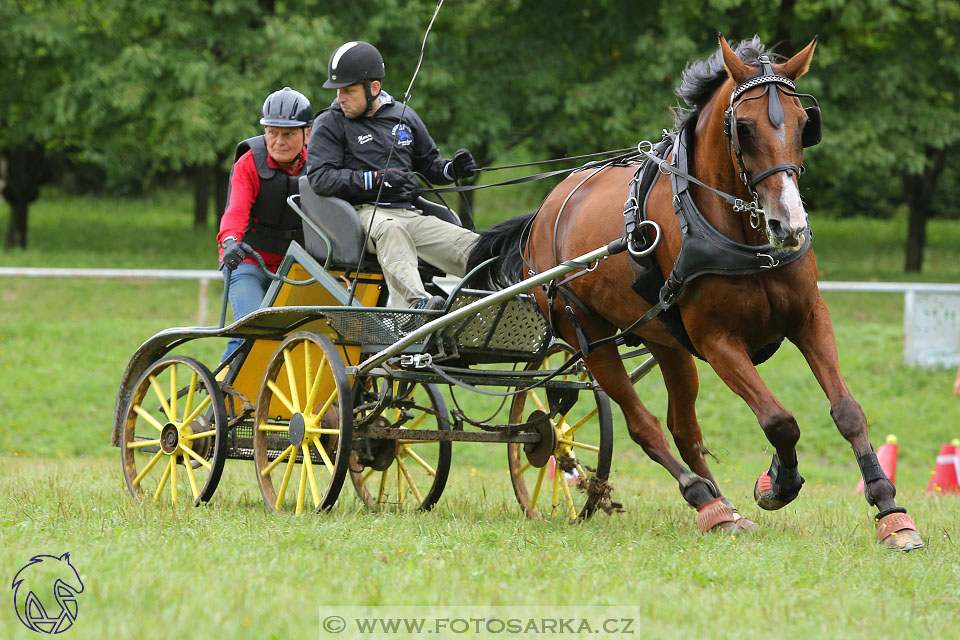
800	63
736	68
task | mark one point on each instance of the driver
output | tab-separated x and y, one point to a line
348	158
257	216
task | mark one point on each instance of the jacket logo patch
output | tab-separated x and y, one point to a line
365	138
403	135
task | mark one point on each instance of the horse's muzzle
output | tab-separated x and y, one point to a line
784	236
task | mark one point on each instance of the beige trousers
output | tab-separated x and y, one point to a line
399	236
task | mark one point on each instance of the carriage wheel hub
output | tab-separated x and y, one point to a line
169	438
538	453
298	428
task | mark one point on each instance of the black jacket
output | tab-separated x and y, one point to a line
343	153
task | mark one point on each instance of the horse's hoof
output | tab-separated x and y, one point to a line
897	532
718	516
767	497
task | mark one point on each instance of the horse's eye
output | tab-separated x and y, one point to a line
744	130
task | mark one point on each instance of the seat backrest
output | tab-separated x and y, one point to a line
337	219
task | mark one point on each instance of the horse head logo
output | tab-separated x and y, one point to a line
45	593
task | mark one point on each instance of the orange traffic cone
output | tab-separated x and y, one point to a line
887	457
944	477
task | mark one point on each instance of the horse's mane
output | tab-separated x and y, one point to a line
702	78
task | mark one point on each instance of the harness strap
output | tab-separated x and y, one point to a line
789	167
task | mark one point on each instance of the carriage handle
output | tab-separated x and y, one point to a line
617	246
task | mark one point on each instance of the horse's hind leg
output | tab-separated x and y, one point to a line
683	384
816	341
644	428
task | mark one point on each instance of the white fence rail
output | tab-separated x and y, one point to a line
931	312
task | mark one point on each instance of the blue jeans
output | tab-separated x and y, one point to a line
248	285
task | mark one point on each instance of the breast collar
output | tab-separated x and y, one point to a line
704	250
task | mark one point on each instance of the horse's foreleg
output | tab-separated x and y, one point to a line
780	484
818	345
683	384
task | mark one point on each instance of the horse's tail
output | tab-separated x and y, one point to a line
503	241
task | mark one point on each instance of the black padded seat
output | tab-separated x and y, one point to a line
339	221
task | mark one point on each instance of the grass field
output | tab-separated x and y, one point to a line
235	571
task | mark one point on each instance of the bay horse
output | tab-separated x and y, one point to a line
747	277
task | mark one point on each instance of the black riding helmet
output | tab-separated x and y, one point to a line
286	108
354	62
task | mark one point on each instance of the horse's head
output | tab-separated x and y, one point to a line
767	129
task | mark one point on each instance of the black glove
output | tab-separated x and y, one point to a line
464	166
234	252
397	184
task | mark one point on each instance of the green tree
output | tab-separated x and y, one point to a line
38	39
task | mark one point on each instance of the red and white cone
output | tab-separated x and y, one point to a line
887	457
945	475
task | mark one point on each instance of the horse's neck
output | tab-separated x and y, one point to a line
713	164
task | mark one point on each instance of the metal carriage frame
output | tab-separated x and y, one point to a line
328	381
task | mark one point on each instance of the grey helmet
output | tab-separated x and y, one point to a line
286	108
353	62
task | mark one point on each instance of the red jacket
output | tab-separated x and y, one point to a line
244	189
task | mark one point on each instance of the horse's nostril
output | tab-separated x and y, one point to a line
776	228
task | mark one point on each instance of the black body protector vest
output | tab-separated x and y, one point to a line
273	224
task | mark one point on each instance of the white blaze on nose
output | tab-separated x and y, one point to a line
791	204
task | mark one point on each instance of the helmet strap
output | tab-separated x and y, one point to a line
370	97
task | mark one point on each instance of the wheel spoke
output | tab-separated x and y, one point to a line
326	405
308	465
413	485
283	454
524	469
281	396
423	463
200	434
191	476
323	454
286	480
200	407
315	388
173	478
196	456
582	422
566	493
579	445
277	428
190	391
383	486
291	380
555	500
399	485
416	423
322	431
173	392
149	465
163	482
142	443
536	488
366	474
307	371
143	413
163	401
302	487
537	401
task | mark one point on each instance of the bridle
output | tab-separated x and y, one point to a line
773	84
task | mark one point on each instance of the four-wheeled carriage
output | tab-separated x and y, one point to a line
329	382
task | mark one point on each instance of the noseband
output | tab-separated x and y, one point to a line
773	86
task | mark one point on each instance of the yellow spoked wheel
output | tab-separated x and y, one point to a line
303	425
173	443
570	476
406	473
